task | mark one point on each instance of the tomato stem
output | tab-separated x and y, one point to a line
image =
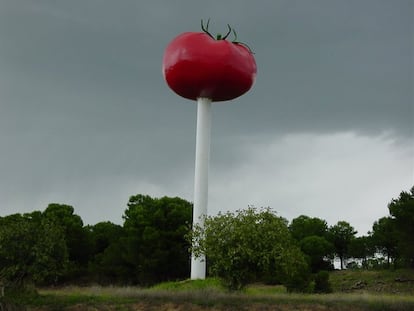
245	45
206	28
227	34
220	37
235	35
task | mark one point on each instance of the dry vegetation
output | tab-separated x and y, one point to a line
353	290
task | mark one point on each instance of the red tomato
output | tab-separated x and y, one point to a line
197	65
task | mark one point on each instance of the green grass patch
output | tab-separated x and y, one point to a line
214	284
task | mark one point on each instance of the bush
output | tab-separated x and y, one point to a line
251	245
322	284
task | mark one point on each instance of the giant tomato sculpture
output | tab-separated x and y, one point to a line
200	67
196	64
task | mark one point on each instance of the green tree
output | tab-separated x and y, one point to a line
362	248
32	249
77	237
340	236
384	238
305	226
104	234
111	267
250	244
317	249
107	266
322	284
311	233
155	245
402	211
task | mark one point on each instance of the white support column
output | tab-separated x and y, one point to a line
202	156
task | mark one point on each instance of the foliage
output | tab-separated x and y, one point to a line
402	212
243	246
305	226
32	249
322	284
154	245
362	248
316	249
341	235
104	234
76	235
106	265
311	233
292	270
54	245
384	238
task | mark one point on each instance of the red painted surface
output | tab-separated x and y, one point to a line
196	65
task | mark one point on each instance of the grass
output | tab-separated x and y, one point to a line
209	284
207	297
380	291
261	289
380	281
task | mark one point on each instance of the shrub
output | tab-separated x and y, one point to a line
322	284
251	245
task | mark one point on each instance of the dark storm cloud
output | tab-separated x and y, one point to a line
83	84
323	65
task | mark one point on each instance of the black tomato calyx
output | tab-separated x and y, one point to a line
220	37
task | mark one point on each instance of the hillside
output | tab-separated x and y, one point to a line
374	282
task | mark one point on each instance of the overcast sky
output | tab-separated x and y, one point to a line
86	118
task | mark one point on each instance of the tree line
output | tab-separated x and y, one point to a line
153	244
